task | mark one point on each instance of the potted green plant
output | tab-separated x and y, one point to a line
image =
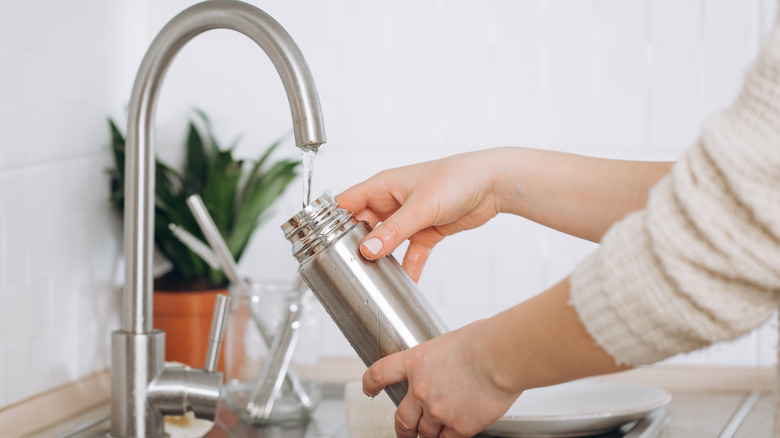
237	194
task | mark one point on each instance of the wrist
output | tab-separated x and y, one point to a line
503	367
507	178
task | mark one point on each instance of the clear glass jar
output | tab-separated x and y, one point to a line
247	351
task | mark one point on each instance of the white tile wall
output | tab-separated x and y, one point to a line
400	82
57	85
3	372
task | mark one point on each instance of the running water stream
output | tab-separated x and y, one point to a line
307	157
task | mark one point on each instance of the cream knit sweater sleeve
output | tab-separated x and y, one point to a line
701	263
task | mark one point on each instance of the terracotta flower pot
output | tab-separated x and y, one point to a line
186	319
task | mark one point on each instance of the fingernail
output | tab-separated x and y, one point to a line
373	245
371	397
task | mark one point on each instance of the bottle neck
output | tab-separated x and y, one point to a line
316	226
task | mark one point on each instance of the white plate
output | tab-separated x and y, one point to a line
578	408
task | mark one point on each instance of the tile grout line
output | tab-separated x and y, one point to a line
43	164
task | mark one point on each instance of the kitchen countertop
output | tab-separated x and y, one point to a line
703	402
707	414
693	415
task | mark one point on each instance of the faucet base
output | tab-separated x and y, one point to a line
136	360
138	369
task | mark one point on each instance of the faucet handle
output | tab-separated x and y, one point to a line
218	322
177	390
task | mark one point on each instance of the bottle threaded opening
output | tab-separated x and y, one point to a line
317	225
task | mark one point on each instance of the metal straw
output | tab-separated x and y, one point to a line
218	322
214	238
230	268
269	385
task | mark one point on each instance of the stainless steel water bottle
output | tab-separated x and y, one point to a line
378	308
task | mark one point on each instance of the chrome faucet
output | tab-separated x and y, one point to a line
143	388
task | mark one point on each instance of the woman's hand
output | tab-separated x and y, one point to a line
578	195
451	389
423	203
464	380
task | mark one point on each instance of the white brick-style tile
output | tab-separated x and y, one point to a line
467	289
17	231
728	22
724	68
767	14
3	376
622	22
38	221
12	136
768	338
43	363
518	268
18	375
5	301
4	187
569	75
676	22
18	314
563	254
623	90
675	96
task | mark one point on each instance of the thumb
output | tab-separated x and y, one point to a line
383	240
385	371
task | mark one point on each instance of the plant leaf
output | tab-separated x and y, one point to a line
255	174
221	188
261	195
196	162
117	174
213	143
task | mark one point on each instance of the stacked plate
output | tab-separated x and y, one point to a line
592	408
581	408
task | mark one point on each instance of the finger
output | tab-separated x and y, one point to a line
369	217
420	246
414	261
385	238
428	427
355	198
386	371
407	417
447	432
370	194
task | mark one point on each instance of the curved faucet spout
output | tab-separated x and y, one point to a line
308	126
137	358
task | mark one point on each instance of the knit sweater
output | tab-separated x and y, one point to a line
700	263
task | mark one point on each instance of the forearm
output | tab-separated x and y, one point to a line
520	339
578	195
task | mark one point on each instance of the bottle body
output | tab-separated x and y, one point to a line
375	304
